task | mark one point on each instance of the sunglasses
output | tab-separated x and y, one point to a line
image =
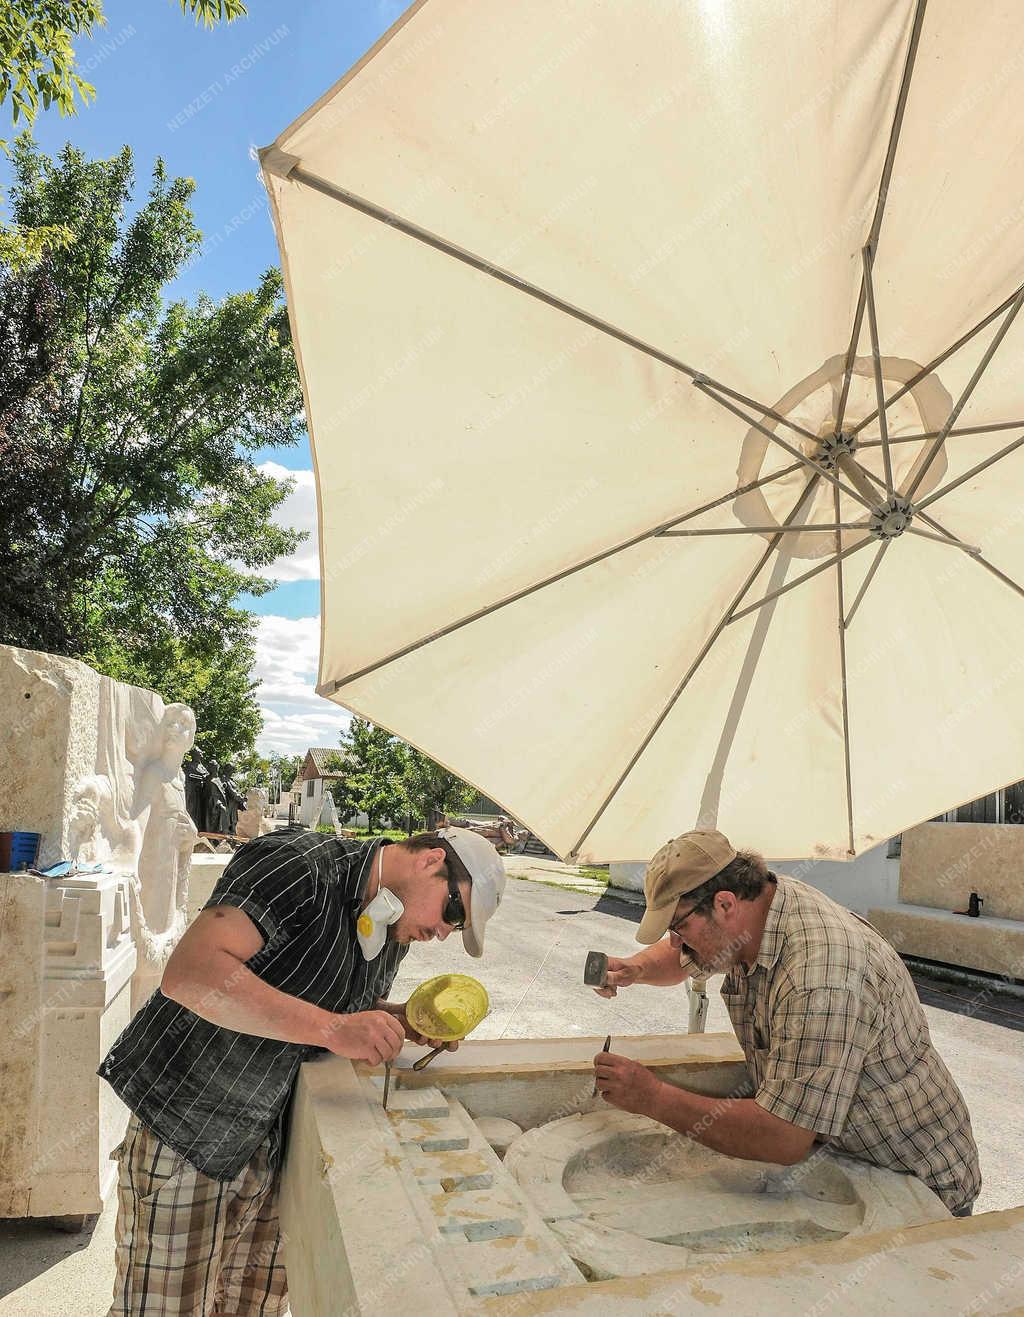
454	912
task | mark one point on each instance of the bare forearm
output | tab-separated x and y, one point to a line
735	1126
659	965
224	991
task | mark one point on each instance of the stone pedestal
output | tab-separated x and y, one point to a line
66	963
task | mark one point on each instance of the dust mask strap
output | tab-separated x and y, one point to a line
372	925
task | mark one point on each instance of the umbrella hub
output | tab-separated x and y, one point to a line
835	446
891	519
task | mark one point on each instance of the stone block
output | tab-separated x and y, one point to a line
942	863
995	946
66	965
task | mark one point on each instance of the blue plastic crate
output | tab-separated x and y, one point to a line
18	850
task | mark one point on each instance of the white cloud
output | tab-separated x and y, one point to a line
298	511
294	716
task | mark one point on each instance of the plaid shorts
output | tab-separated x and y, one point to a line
186	1245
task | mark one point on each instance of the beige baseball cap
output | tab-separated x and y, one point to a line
681	866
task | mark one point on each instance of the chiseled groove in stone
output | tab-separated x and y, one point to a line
500	1287
503	1228
437	1145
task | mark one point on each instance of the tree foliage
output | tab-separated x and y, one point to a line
39	69
430	789
371	762
387	779
134	513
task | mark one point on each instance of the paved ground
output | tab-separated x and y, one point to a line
533	973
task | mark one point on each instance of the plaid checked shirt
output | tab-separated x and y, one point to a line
836	1042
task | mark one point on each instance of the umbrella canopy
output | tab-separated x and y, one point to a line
657	357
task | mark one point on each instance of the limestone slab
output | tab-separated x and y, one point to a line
373	1226
995	946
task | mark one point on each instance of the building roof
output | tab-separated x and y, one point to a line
316	757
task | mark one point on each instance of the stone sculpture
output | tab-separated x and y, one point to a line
196	777
252	821
329	813
215	801
232	796
160	894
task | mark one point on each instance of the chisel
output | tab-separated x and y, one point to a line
605	1048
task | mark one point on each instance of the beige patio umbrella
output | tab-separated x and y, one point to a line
658	359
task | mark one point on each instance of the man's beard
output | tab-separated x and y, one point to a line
701	965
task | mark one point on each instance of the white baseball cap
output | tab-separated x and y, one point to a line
487	877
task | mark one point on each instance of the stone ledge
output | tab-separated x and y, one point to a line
995	946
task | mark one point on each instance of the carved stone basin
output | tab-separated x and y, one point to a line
627	1196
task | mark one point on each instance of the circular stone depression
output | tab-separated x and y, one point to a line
628	1197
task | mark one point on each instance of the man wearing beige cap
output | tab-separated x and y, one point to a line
836	1042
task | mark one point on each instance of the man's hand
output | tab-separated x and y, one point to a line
373	1036
397	1011
626	1084
621	974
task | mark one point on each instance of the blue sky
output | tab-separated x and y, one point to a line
203	100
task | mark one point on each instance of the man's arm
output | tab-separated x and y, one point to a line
658	966
207	973
738	1127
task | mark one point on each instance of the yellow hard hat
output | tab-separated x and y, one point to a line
447	1007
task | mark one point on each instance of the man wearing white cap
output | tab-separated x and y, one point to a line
294	953
836	1043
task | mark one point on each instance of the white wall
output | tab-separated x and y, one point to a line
869	880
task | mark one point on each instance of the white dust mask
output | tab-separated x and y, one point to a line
372	924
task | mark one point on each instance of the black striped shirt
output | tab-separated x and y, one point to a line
213	1094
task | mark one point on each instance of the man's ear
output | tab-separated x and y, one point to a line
432	859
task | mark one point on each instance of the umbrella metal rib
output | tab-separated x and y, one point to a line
931	434
706	386
916	378
484	266
654	532
883	194
967	475
806	576
961	403
882	549
763	530
956	542
841	628
702	655
876	363
942	539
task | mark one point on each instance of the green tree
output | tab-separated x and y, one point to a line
430	789
372	763
38	68
287	767
134	513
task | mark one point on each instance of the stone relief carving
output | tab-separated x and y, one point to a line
131	814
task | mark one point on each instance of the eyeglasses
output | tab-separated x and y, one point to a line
676	925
